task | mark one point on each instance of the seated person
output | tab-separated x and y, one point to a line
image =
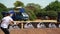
41	25
28	25
52	25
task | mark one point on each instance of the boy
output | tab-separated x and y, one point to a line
5	22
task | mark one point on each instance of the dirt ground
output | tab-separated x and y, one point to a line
35	31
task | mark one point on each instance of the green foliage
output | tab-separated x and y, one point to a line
18	3
1	16
52	13
31	14
34	7
34	10
10	9
2	8
43	13
52	9
55	6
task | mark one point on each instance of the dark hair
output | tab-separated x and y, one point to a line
7	14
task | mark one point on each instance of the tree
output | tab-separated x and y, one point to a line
34	7
52	9
31	14
2	8
52	13
54	6
18	3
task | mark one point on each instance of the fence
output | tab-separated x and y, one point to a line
34	22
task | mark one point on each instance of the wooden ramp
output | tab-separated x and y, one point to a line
35	31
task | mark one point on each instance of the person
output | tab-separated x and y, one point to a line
5	23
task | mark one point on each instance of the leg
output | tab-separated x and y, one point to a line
5	30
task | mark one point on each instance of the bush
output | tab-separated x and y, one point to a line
52	13
31	14
1	16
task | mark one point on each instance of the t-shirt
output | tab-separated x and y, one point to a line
6	21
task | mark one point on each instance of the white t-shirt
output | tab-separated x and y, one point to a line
6	21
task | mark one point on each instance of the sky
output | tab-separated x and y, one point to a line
42	3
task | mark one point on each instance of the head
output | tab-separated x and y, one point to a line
7	14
